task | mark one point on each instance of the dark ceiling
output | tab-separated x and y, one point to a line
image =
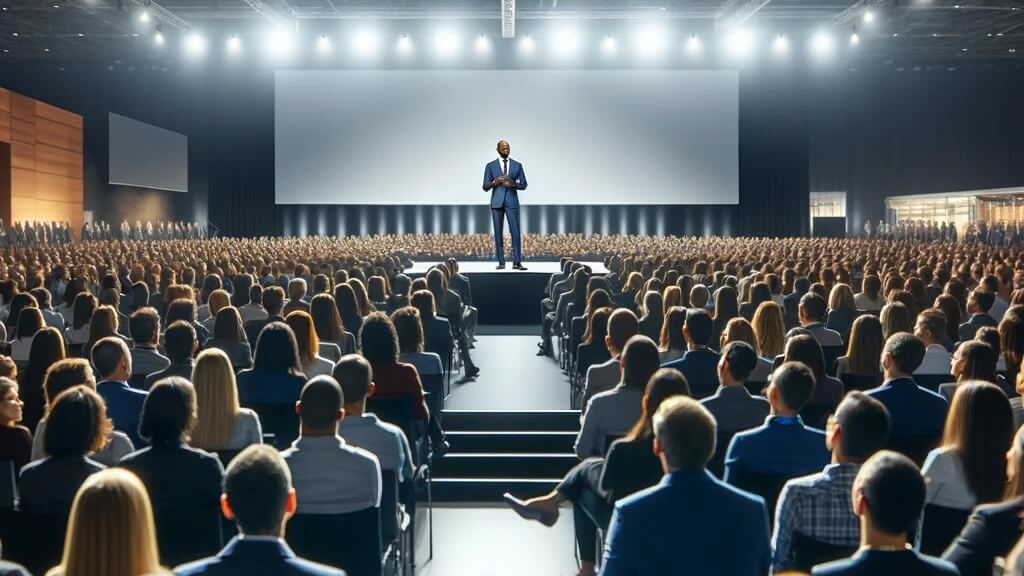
59	31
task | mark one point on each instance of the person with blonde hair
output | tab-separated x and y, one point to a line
841	309
770	328
739	330
221	423
111	530
313	364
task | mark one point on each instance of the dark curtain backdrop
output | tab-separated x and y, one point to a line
884	132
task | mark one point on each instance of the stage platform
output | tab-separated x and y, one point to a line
506	296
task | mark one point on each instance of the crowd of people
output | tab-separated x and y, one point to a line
996	233
749	405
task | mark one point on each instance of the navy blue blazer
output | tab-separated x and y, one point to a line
124	407
914	411
880	563
264	387
701	370
990	533
260	555
690	523
501	195
781	446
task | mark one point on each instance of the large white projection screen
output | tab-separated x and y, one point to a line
584	137
147	156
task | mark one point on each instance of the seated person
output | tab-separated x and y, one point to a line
733	407
812	312
699	364
888	496
180	344
221	423
782	446
15	440
258	497
113	363
614	412
630	467
973	360
363	429
330	476
276	375
77	426
979	303
931	330
175	474
622	325
915	411
145	329
690	520
818	506
229	336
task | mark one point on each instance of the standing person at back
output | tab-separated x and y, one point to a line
888	495
259	498
690	523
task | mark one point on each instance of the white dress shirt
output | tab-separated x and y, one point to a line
945	480
610	413
386	441
332	477
936	360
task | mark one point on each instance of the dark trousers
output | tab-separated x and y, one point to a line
582	487
498	216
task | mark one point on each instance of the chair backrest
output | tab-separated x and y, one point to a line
809	552
860	381
137	381
8	485
389	525
35	541
186	533
932	381
912	446
349	541
610	439
832	353
281	420
767	486
939	527
816	415
226	456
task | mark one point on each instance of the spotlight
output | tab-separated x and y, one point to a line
822	44
781	44
234	44
854	39
482	45
869	16
364	43
694	44
740	42
323	44
158	38
404	44
195	44
609	46
144	15
446	44
526	45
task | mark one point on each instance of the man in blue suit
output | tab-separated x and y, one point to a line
113	362
915	411
689	523
699	364
503	178
259	497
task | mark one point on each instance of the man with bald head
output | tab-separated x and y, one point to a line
503	178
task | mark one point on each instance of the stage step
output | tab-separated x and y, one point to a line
512	441
525	452
490	489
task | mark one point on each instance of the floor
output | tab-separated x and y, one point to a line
489	541
512	376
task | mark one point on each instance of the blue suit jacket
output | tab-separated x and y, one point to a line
915	411
874	562
124	408
690	523
782	447
501	195
701	370
247	556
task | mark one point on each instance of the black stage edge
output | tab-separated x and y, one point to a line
506	298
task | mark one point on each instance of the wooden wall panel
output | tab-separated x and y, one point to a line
45	161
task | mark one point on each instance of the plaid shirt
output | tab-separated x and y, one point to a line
817	506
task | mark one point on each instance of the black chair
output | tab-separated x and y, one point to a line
767	486
8	485
394	523
939	527
860	381
187	532
433	385
914	447
137	381
832	353
35	541
932	381
281	420
816	415
349	541
809	552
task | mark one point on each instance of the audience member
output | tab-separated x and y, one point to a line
895	318
309	345
812	314
410	343
229	336
15	439
770	329
699	364
181	345
733	407
622	325
931	330
672	344
828	391
915	411
689	519
145	328
972	360
276	375
47	349
258	497
334	340
113	363
863	351
330	476
888	495
221	424
740	330
978	306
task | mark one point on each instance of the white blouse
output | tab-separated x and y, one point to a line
944	476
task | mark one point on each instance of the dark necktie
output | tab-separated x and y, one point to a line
504	169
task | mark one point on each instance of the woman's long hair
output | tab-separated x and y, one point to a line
85	304
326	318
216	400
597	326
277	351
951	308
672	329
102	325
663	384
47	348
726	305
804	348
770	329
305	335
865	346
979	427
228	325
378	341
895	318
739	330
111	530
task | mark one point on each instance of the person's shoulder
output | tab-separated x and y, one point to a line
937	566
12	569
368	458
836	567
134	458
309	568
1011	509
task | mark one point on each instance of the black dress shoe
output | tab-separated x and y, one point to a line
518	267
472	372
499	267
